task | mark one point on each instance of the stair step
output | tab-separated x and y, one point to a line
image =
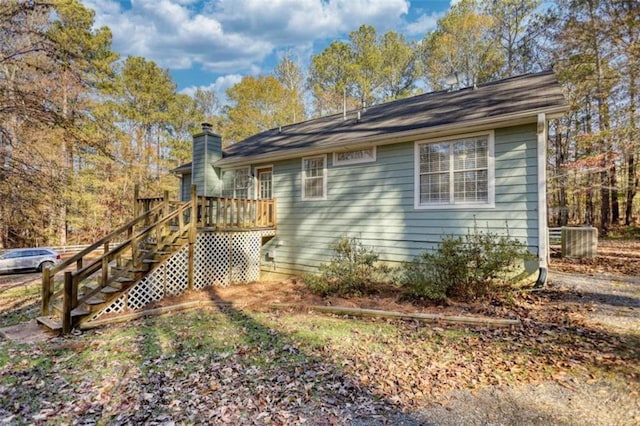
116	285
160	252
149	261
122	268
80	311
52	323
122	280
110	290
94	300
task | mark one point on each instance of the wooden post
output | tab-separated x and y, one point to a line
105	271
67	303
46	291
165	203
217	222
274	220
192	236
136	195
134	252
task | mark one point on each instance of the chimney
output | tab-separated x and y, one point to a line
207	148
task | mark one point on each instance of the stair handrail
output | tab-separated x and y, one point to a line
102	262
49	273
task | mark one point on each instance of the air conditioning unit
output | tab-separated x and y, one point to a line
579	242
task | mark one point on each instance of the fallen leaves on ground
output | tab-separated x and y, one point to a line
613	257
240	363
236	367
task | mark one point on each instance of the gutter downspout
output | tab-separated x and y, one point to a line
543	233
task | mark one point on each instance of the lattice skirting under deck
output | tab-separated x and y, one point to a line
220	259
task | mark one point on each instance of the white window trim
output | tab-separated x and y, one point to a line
324	178
228	169
491	174
255	179
336	162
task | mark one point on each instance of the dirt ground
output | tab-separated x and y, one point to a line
614	259
598	297
618	257
601	294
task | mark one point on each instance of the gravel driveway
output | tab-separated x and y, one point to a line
613	303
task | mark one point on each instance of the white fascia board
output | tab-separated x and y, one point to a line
543	235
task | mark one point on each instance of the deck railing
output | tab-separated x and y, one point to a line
234	213
112	246
224	213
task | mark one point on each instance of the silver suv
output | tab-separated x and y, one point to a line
31	258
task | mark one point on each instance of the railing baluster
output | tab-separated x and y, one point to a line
105	271
217	202
274	218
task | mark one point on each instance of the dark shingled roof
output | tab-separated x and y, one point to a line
182	169
537	92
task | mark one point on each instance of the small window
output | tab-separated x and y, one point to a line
455	173
366	155
235	183
314	178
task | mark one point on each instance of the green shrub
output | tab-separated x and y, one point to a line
351	270
465	267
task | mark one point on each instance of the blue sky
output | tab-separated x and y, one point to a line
213	43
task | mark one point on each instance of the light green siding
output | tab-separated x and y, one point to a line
375	202
185	187
207	148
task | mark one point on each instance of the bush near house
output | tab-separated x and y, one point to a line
465	267
352	270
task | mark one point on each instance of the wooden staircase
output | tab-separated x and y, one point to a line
127	256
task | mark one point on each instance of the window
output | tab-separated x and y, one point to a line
314	178
365	155
455	173
235	183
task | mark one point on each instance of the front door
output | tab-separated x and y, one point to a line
265	192
265	183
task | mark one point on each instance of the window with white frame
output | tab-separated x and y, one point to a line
235	183
455	173
314	178
365	155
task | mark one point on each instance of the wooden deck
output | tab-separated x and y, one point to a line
160	228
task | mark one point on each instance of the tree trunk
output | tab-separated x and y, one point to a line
631	190
615	205
632	180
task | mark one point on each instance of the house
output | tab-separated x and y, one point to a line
398	175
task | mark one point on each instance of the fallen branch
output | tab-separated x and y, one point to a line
376	313
151	313
402	315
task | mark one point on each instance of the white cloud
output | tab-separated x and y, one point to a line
230	36
424	24
219	87
306	20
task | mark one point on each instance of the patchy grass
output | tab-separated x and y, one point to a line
20	300
232	366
